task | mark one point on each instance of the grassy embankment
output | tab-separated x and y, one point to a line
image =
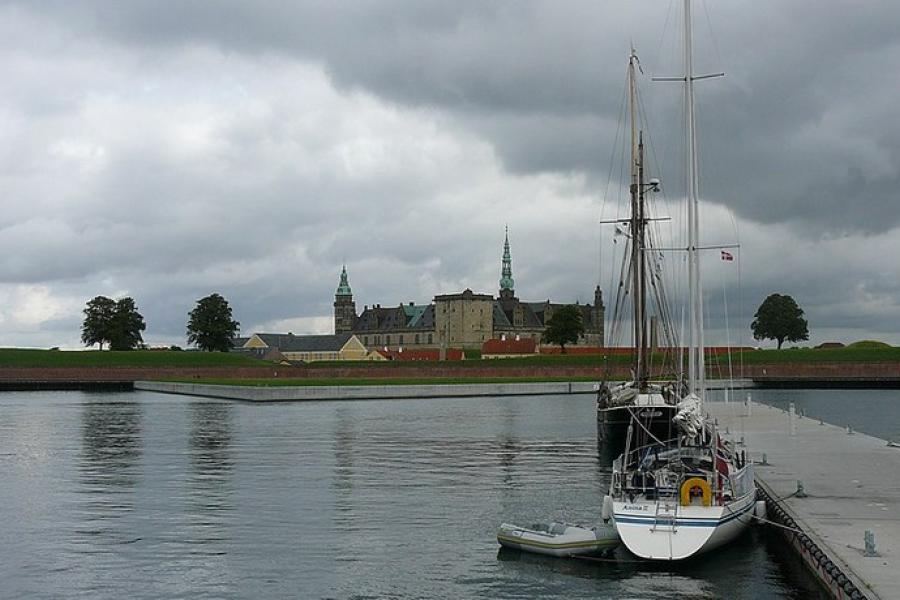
850	354
856	353
14	357
861	354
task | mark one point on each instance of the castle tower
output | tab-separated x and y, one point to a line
598	316
507	285
344	306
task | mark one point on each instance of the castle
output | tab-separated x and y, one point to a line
464	320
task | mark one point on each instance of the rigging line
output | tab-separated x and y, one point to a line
638	421
729	390
712	33
662	36
616	148
741	313
609	173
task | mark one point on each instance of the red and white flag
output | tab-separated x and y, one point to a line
727	256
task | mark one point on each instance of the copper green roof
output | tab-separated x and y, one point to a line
506	278
344	286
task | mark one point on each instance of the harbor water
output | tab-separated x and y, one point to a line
145	495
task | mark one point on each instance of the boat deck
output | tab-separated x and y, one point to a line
852	482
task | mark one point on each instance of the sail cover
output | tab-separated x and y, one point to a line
689	419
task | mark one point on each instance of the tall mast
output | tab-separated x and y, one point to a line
638	273
696	369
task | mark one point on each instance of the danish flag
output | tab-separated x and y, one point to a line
727	256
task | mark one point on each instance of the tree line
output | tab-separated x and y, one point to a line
210	325
118	324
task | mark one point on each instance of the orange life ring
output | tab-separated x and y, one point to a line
689	485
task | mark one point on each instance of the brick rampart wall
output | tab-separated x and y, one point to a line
812	371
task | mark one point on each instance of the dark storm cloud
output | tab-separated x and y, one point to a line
792	135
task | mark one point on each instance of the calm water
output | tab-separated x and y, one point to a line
143	495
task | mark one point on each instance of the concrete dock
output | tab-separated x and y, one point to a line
851	482
365	392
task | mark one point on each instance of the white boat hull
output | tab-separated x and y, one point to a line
680	532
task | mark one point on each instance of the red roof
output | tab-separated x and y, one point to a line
521	346
421	354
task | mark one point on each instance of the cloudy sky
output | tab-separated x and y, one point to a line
168	150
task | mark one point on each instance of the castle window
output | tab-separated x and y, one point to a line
417	338
366	340
429	338
401	340
387	340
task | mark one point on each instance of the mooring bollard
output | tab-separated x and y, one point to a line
749	405
765	460
821	422
792	419
800	493
727	432
869	538
849	430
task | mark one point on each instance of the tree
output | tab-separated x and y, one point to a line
210	325
126	326
779	318
565	326
98	316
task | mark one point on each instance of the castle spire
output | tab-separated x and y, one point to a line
344	286
506	279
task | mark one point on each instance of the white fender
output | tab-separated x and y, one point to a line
607	511
759	511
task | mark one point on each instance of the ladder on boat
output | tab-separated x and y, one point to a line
665	517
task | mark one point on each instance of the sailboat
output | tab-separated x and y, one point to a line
652	402
671	499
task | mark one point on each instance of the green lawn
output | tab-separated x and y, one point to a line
154	358
136	358
811	355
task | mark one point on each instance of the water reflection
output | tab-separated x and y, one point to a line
209	487
109	468
111	442
345	515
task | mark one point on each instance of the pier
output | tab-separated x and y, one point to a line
365	392
835	494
